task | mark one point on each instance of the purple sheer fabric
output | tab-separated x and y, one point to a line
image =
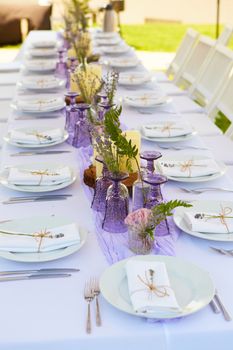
115	246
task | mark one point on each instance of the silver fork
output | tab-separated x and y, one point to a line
96	292
88	296
204	189
178	148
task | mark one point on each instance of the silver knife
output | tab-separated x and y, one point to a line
33	153
34	277
55	270
25	117
42	199
42	196
224	311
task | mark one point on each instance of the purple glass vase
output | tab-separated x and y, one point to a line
71	115
61	66
154	196
102	184
117	205
82	131
150	156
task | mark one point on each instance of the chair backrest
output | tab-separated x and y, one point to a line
223	102
213	76
183	51
192	67
225	35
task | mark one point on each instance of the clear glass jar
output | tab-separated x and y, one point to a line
139	242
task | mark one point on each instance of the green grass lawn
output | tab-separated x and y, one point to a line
161	36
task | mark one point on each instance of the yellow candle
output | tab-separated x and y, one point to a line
98	165
87	77
135	137
71	52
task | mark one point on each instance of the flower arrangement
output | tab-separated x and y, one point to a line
112	145
76	12
110	85
144	221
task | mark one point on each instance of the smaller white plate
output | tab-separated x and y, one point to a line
42	52
108	41
134	78
33	224
32	145
193	286
43	104
36	189
40	65
203	206
41	82
207	178
146	99
105	35
126	62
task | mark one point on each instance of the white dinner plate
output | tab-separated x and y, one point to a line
7	138
40	65
168	139
193	286
108	41
146	99
36	189
42	52
206	178
41	82
203	206
134	78
39	104
105	35
33	224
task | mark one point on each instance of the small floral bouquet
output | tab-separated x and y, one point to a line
143	222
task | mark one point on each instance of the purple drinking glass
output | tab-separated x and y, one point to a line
72	66
140	193
82	131
150	156
154	196
117	205
102	184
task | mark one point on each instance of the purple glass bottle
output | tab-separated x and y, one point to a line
117	205
82	131
101	187
71	116
103	108
154	196
61	66
73	64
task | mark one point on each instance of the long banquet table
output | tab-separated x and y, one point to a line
51	314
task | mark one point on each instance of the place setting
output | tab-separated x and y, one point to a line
38	104
146	101
40	239
40	83
37	177
134	79
39	65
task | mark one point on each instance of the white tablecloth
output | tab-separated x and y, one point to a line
51	314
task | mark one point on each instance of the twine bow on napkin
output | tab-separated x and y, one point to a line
42	173
40	136
222	216
150	286
168	127
187	166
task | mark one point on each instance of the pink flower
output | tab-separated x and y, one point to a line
139	219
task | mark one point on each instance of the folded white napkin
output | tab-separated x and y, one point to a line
44	43
124	62
167	129
134	78
146	99
39	177
36	137
41	52
210	222
40	64
63	236
40	104
189	168
40	82
162	299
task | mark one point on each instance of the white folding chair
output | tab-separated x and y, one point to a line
213	75
183	52
223	102
191	68
225	35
